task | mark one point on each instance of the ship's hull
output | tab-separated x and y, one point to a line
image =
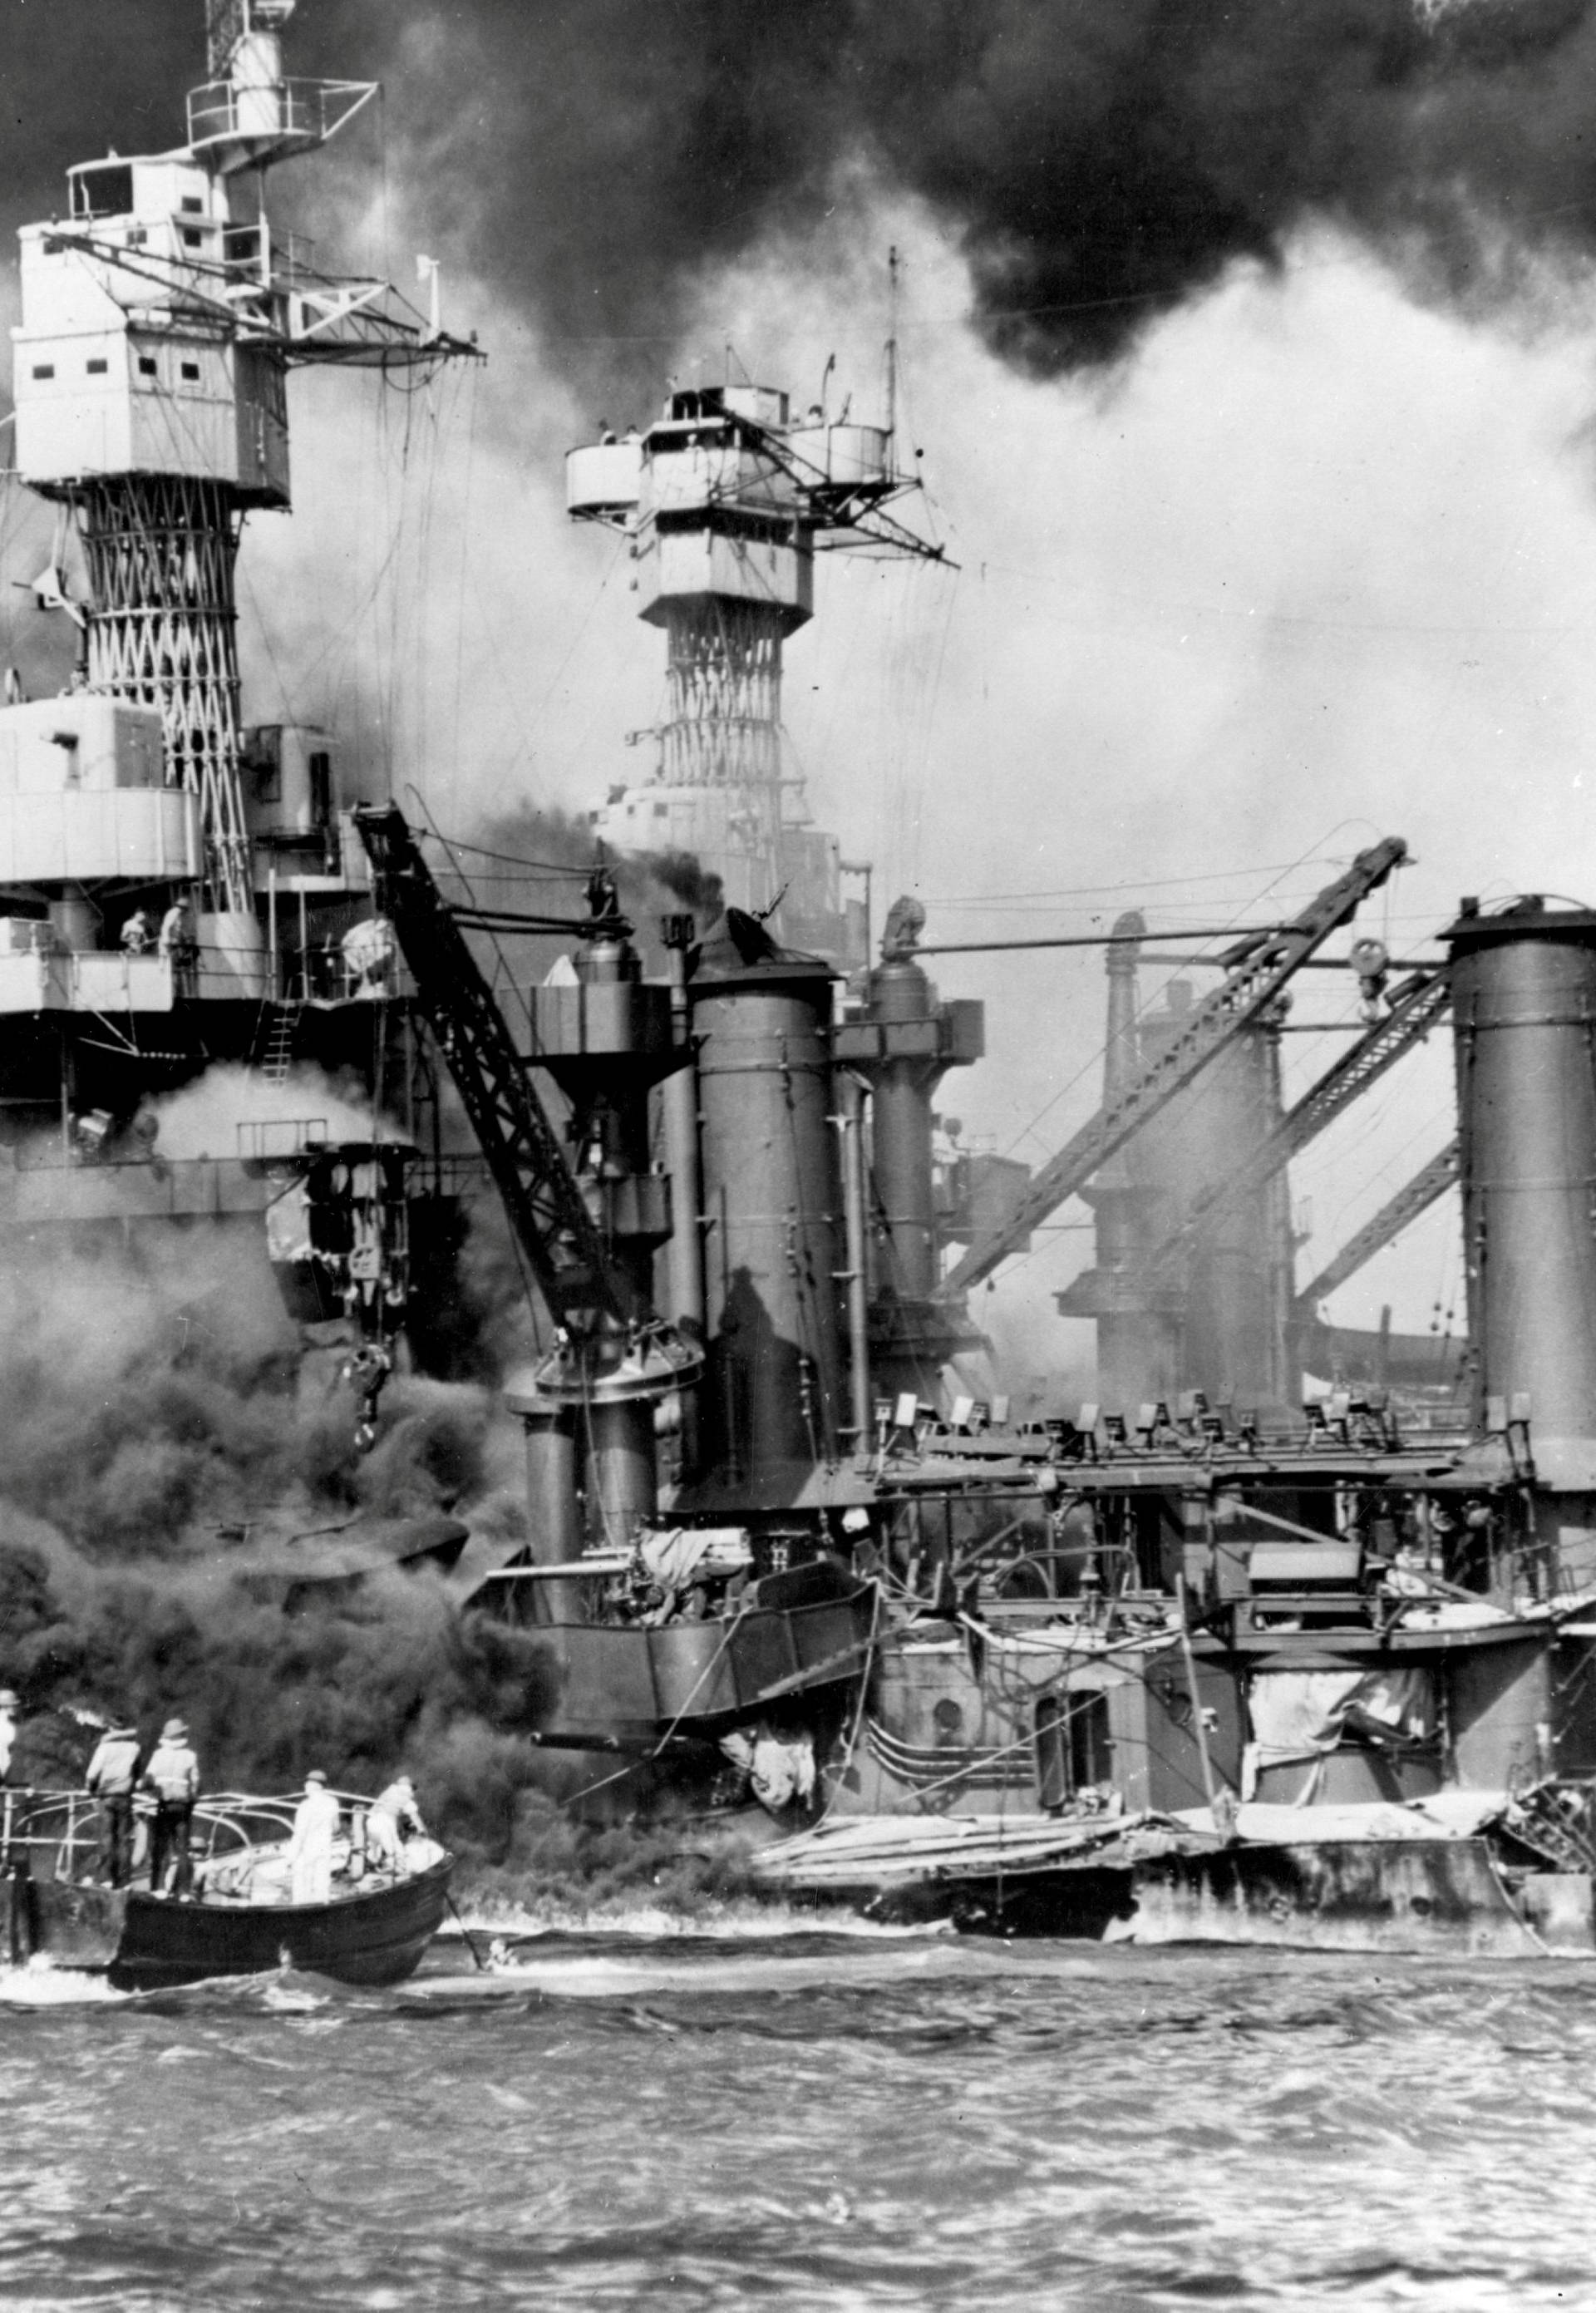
1418	1896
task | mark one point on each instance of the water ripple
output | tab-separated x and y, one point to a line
810	2123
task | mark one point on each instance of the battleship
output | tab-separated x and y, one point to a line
1271	1640
183	891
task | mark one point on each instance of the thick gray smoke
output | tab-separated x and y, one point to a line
592	161
1099	165
162	1423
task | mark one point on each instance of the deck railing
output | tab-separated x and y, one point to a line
61	1833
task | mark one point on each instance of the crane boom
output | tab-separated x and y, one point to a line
1416	1007
1414	1197
1258	967
558	1235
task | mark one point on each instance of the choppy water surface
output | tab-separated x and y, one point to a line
809	2121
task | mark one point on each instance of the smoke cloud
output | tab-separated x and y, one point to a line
593	165
163	1422
1098	167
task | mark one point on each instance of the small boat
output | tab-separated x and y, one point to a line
239	1919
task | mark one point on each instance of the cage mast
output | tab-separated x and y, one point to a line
157	330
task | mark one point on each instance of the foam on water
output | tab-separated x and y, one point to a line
741	1919
40	1984
684	1963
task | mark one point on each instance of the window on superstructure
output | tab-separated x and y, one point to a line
102	193
190	370
1074	1750
1091	1750
98	368
147	366
320	768
44	369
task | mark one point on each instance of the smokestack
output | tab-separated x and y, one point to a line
1237	1293
761	1016
1523	1009
902	1042
1137	1341
554	1518
605	1035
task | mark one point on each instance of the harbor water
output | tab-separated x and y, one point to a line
808	2120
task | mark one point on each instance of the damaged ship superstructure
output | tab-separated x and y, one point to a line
1212	1655
1200	1664
180	889
1325	1683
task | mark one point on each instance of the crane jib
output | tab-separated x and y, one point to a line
552	1224
1416	1009
1261	971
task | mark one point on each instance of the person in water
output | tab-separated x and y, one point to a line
310	1847
113	1774
172	1774
392	1817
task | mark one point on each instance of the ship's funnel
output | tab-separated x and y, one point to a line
762	1018
1524	1009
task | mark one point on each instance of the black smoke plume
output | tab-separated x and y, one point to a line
593	160
1099	165
161	1424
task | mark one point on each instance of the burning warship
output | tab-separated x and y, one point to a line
1217	1655
183	891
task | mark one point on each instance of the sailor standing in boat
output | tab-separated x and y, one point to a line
113	1772
173	1775
392	1817
309	1849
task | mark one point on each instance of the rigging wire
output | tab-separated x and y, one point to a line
1141	884
551	869
1096	1059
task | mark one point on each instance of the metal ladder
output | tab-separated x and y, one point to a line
278	1057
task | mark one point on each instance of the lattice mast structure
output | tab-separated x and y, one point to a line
725	499
157	330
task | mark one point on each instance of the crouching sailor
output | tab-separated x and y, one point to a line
309	1849
113	1772
173	1775
392	1818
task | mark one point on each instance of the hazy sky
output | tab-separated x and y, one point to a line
1312	560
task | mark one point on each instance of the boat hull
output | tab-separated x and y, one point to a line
145	1942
